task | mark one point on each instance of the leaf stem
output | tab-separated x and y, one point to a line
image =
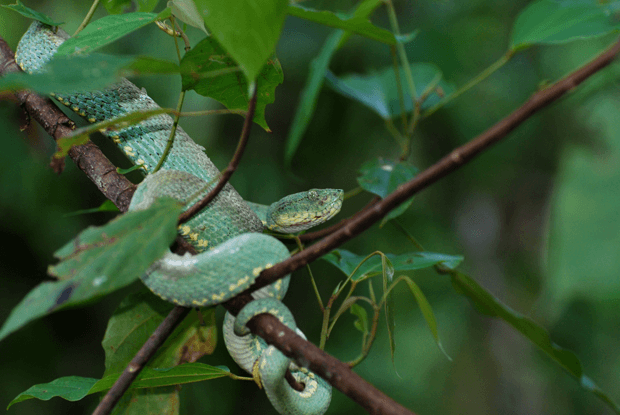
89	16
173	131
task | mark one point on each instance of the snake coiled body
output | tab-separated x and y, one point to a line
227	233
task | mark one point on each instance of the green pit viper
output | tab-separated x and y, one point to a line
227	233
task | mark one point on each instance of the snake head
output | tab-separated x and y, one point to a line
301	211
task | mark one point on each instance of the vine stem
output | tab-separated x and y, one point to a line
89	16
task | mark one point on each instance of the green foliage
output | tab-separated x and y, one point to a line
247	29
121	6
99	261
551	21
211	72
355	24
382	177
380	91
105	31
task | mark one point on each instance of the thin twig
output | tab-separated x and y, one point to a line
232	166
89	16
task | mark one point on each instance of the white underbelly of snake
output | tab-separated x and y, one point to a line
227	233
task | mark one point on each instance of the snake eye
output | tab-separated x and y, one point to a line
313	194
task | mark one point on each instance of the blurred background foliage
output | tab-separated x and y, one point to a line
537	217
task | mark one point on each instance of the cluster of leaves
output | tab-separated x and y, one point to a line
225	66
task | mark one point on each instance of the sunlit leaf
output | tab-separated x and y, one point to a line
186	11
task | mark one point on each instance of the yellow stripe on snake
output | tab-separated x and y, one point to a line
227	233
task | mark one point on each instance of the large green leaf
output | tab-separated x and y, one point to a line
104	31
316	77
137	317
559	21
99	261
211	72
347	261
247	29
74	388
487	304
186	11
378	91
356	24
382	177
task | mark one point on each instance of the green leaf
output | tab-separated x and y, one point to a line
487	304
390	308
100	260
121	6
247	29
362	318
145	65
31	14
186	11
382	177
74	388
356	24
316	77
106	206
211	72
70	74
104	31
137	317
347	261
379	91
553	21
427	311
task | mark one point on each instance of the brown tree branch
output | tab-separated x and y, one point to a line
88	157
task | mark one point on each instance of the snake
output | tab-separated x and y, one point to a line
229	233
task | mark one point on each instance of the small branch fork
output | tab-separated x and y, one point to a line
265	325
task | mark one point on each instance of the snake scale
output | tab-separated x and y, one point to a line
227	233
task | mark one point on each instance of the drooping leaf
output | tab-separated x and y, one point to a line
382	177
74	388
31	14
347	261
70	74
362	318
378	91
487	304
560	21
137	317
100	260
356	24
316	77
261	21
121	6
104	31
211	71
186	11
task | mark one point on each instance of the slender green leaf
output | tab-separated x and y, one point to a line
211	72
99	261
553	21
347	261
379	91
104	31
487	304
74	388
247	29
137	317
316	77
362	318
390	308
31	14
382	177
106	206
70	74
356	24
